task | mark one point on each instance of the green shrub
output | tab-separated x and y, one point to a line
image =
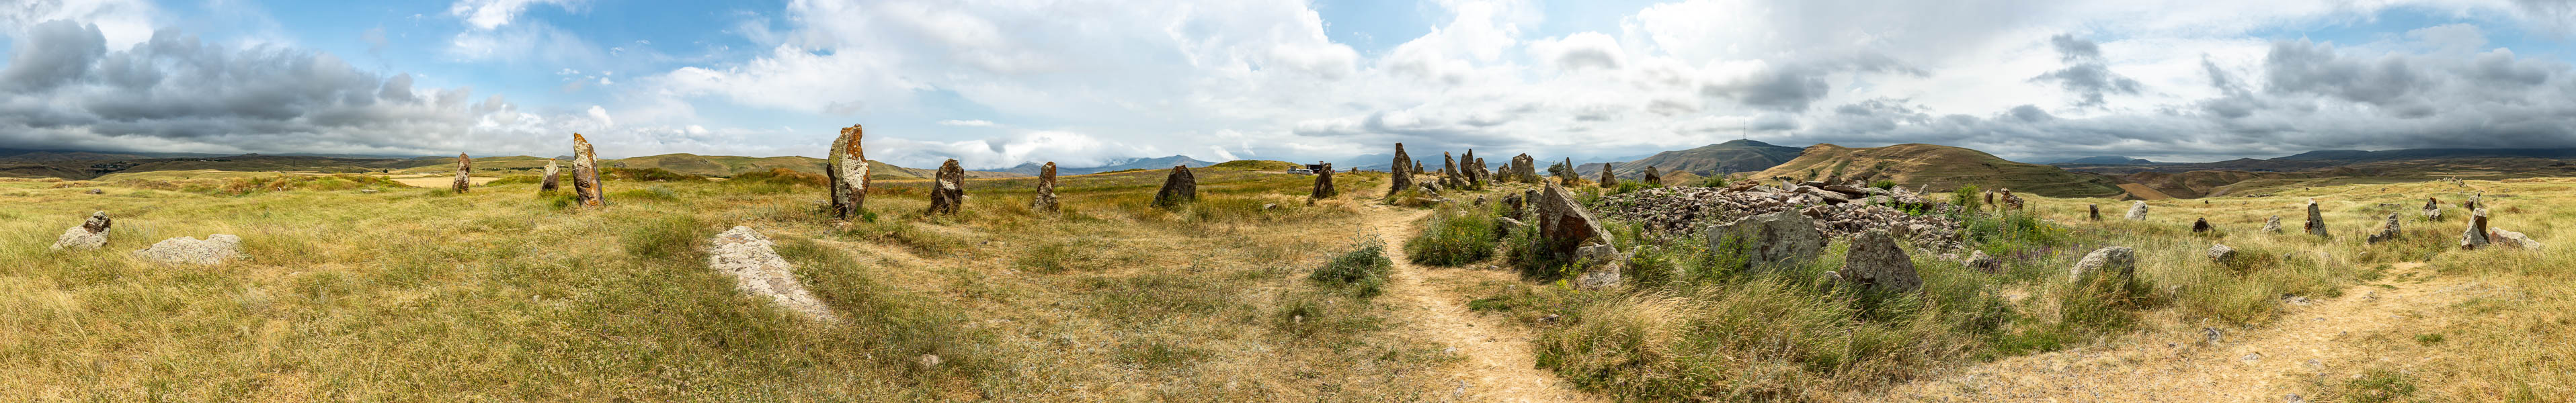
1968	197
1883	184
1713	181
2378	385
1455	237
1362	271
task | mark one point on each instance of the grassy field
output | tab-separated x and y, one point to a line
504	294
1251	294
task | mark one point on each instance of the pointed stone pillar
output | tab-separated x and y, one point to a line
1045	202
848	170
585	174
464	171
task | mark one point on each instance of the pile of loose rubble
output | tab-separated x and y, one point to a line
1839	210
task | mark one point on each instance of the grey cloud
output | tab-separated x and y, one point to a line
2314	68
1778	89
2085	74
54	52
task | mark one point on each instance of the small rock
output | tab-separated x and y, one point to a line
2115	261
96	191
1270	206
757	269
2250	357
2212	335
2137	210
927	362
1978	260
89	235
1875	261
2221	253
367	191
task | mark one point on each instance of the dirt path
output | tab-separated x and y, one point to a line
1498	365
2325	340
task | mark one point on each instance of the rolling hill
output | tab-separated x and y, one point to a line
1710	160
1939	167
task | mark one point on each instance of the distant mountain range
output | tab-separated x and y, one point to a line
1710	160
1121	164
2100	160
1938	168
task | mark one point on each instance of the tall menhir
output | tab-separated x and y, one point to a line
849	174
585	173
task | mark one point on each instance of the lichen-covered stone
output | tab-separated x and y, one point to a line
1563	225
1180	187
2316	219
2272	225
91	234
1401	174
585	174
1608	180
550	183
2476	236
848	170
948	189
1875	261
2118	261
1778	239
1045	203
2386	233
464	173
2137	210
757	269
214	249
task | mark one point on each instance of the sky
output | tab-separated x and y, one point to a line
999	83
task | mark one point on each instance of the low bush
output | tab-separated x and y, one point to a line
1456	236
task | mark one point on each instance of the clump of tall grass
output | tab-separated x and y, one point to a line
1456	236
1361	271
645	175
517	180
245	186
781	176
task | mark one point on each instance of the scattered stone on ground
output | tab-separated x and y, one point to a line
1876	262
2137	210
2513	239
1602	266
948	189
1978	260
757	269
847	168
2386	232
214	249
2221	253
91	234
1181	187
2118	261
1044	202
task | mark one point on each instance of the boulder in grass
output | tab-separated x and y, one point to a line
215	249
2386	233
2137	210
2221	253
757	269
2476	236
89	235
2117	261
2512	239
1783	238
1876	262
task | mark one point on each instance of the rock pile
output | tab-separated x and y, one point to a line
89	235
848	171
948	189
757	269
214	249
1687	208
1179	188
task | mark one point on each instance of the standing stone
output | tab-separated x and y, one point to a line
1654	178
1417	167
2118	261
2473	204
948	189
2093	212
2316	219
1464	160
1562	224
2387	232
1402	173
2138	210
1323	182
585	173
1990	199
214	249
1179	188
89	235
2010	200
2221	253
2476	236
1876	262
550	183
464	171
1524	169
2433	208
1044	203
1778	239
848	170
2200	225
1484	173
758	270
1608	180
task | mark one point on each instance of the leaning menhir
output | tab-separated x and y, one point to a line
2476	236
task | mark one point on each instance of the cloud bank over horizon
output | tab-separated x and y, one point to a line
996	84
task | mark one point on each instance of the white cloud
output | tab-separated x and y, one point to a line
967	123
489	14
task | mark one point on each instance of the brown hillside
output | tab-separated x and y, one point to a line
1939	167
